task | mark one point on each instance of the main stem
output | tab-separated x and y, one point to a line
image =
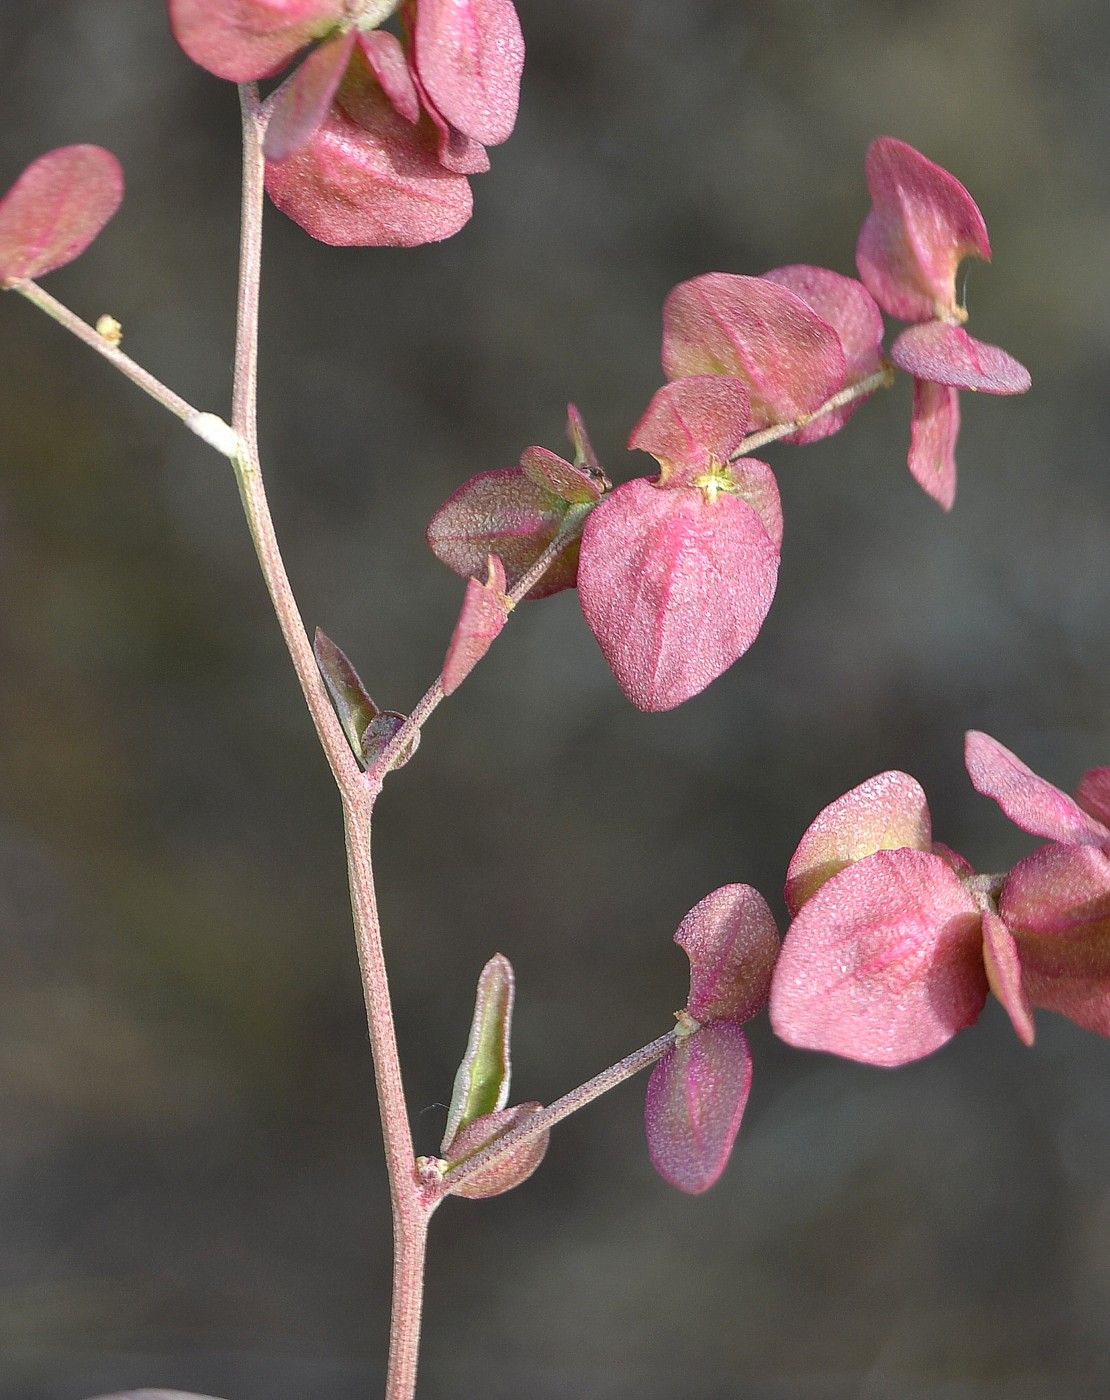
410	1210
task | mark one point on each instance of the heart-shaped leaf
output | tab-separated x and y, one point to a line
469	55
732	942
55	210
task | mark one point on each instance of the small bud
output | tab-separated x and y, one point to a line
109	329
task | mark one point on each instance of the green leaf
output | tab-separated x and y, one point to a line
482	1081
348	694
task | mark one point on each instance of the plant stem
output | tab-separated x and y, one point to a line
555	1112
882	378
358	792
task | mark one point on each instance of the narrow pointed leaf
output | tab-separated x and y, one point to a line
695	1100
885	813
485	611
1029	801
692	425
584	454
883	964
789	358
296	111
922	224
934	429
241	40
386	58
732	942
674	587
348	694
510	1170
946	354
482	1080
469	54
55	209
1003	964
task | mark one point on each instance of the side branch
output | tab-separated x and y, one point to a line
882	378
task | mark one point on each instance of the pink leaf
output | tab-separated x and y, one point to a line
507	1171
886	813
850	309
241	40
693	424
1028	800
750	329
934	429
1093	794
485	611
457	151
732	943
371	184
572	484
884	963
922	225
674	586
296	111
469	54
387	61
1056	903
754	481
963	868
55	209
946	354
1003	964
695	1100
508	514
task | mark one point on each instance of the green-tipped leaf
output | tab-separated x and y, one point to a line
482	1081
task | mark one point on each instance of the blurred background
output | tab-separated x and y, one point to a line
191	1191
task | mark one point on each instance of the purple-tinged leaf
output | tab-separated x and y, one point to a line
1003	964
55	209
348	694
482	1079
374	182
946	354
851	310
732	943
1056	903
584	454
884	964
674	586
469	54
296	111
1028	800
1093	794
508	1171
386	58
380	733
934	428
508	514
485	611
886	813
693	426
922	225
789	358
695	1100
242	40
573	484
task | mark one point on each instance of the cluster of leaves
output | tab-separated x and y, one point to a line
676	572
371	137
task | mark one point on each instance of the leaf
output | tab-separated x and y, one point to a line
674	587
380	733
883	964
732	942
1031	802
508	1171
469	54
1093	794
692	426
1003	963
505	513
695	1100
946	354
482	1080
242	40
884	813
584	454
55	209
348	694
748	328
387	61
564	479
922	224
485	611
370	182
296	111
155	1395
934	428
454	149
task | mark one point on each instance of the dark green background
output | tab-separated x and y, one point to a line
189	1159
